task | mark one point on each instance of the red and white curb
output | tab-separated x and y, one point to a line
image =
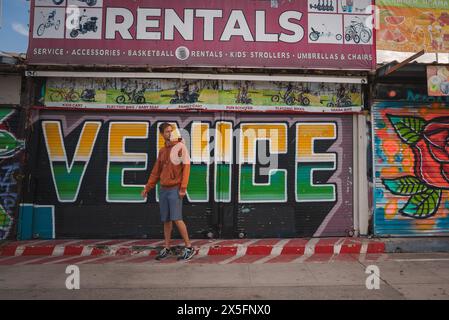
233	249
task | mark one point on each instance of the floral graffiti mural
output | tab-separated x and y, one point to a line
429	142
10	147
412	169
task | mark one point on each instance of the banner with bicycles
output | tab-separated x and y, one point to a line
410	26
308	34
209	95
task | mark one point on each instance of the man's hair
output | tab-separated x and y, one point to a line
163	126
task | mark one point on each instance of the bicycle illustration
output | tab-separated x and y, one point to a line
357	31
339	100
68	95
133	96
289	96
317	34
243	95
49	23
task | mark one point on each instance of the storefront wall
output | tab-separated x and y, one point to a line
252	175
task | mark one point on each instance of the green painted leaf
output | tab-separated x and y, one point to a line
405	186
409	129
423	205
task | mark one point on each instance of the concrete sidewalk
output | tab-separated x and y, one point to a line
402	276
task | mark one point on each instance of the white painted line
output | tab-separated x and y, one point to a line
337	245
364	248
310	246
241	251
363	251
275	252
59	249
309	250
87	251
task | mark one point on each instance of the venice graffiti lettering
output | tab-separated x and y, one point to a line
261	177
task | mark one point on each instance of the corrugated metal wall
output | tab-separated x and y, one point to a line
411	158
11	152
89	177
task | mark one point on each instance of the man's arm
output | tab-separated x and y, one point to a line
185	169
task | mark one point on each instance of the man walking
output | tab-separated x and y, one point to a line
172	169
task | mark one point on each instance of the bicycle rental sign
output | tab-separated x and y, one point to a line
299	34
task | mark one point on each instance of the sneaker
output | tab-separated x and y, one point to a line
187	254
163	254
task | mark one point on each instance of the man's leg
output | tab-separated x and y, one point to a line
168	227
183	231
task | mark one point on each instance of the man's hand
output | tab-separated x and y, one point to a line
144	193
182	194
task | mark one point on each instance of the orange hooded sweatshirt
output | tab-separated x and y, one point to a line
172	167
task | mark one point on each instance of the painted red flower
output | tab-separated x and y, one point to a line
432	154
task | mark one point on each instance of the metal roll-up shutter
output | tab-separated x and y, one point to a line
411	160
12	146
310	194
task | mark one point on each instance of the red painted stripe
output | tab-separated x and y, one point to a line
38	251
73	250
124	251
97	252
222	251
258	250
351	247
295	247
326	246
9	250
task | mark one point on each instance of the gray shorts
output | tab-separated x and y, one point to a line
170	204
